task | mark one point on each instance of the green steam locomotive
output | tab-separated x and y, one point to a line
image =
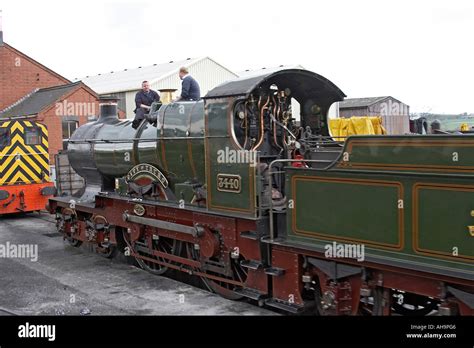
259	202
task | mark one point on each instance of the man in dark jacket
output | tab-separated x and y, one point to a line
143	100
189	87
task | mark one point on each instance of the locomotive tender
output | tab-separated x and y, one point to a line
232	189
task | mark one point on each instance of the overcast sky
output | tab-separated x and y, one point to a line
419	51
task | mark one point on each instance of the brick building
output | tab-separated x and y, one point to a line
28	88
61	108
20	74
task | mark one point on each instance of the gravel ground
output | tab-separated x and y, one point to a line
74	281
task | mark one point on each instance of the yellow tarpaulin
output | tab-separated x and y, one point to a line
365	125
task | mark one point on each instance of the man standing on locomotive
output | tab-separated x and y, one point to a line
143	101
189	87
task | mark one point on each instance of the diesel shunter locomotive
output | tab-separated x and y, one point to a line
261	203
25	184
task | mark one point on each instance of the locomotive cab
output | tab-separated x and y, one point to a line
250	124
262	117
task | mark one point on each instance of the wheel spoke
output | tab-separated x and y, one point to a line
163	245
222	288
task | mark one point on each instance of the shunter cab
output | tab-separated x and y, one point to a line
25	183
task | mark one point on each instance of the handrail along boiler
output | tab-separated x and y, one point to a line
234	190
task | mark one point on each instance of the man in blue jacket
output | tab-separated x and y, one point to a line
189	87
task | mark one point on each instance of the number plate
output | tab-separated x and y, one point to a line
229	183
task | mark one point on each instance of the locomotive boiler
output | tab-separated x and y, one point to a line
260	202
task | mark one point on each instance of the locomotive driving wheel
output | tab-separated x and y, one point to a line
221	287
161	244
145	187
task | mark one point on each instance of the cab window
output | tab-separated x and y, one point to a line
4	137
32	136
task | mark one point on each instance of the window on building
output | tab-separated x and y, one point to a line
69	126
32	136
4	137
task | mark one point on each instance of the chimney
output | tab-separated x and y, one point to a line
108	109
1	29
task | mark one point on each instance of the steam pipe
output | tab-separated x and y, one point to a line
262	124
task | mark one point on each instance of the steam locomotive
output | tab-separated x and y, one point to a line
236	191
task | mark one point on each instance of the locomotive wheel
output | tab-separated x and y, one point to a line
165	245
412	304
74	242
318	298
366	306
60	225
372	305
378	301
108	252
221	288
224	289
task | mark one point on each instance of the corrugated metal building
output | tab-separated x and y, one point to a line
125	84
265	70
394	113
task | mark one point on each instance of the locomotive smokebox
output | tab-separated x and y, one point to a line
108	109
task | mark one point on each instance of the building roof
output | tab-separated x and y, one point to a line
351	103
37	100
266	71
4	44
131	79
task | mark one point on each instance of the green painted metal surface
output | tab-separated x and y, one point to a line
441	153
419	215
362	211
442	214
241	200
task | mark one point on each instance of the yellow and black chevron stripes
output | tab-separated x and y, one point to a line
22	163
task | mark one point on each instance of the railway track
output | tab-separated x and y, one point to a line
43	216
4	311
